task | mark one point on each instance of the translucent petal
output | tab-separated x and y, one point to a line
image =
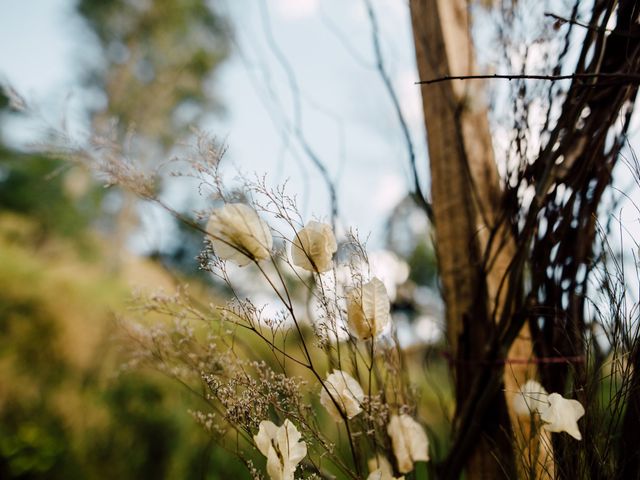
275	468
238	234
293	450
283	448
380	469
531	398
562	415
347	393
368	309
400	448
313	247
409	440
416	439
266	433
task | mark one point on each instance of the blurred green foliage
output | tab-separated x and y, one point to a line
63	412
159	60
34	185
159	57
424	264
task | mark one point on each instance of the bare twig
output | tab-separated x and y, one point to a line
631	78
418	195
587	26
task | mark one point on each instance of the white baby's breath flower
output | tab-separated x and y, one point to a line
282	447
562	415
368	309
346	392
530	399
380	469
409	441
313	247
238	234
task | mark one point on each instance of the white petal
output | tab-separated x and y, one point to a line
531	398
313	247
375	303
275	468
239	234
282	447
380	469
352	391
416	439
266	433
293	450
347	393
358	323
379	463
400	448
328	404
368	309
562	415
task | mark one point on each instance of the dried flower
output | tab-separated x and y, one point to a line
239	234
313	247
531	398
282	447
368	309
380	469
409	440
346	392
562	415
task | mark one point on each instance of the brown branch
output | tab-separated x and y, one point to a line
562	20
418	196
627	77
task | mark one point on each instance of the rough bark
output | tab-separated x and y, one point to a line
473	241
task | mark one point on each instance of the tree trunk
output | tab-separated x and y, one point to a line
473	241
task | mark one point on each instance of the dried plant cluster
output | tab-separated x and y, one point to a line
314	381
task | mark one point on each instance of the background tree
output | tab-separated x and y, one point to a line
64	412
518	256
161	60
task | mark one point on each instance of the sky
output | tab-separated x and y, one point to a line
346	115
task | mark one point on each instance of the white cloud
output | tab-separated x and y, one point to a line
409	96
390	189
297	9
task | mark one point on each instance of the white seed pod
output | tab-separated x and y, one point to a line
530	399
345	391
238	234
313	247
368	309
409	440
562	415
283	448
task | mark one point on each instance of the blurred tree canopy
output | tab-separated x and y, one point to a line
62	412
159	62
159	58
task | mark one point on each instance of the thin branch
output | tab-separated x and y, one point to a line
570	21
633	78
418	195
297	111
